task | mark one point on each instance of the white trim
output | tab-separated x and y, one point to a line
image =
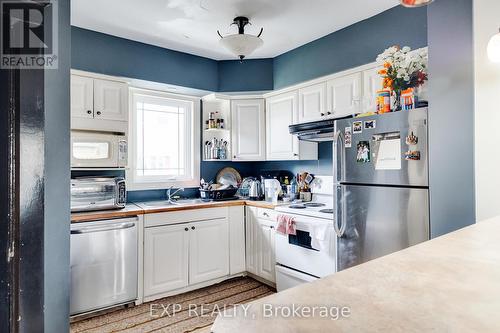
329	77
194	132
99	76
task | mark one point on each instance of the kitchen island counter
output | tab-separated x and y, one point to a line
448	284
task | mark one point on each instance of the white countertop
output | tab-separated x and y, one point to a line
448	284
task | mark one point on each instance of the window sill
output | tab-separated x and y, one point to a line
136	186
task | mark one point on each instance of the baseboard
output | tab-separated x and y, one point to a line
191	287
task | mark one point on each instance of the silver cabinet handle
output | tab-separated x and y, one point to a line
89	112
98	113
103	228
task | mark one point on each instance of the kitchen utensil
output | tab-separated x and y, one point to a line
255	190
228	176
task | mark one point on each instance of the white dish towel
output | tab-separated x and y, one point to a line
320	237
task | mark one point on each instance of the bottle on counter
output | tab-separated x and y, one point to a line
294	189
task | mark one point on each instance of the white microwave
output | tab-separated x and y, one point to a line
98	150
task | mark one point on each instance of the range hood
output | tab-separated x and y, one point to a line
316	131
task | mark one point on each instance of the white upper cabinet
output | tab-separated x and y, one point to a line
248	130
281	112
208	250
82	97
344	95
312	102
99	104
110	100
372	82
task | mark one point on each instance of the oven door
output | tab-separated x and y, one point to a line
97	150
296	251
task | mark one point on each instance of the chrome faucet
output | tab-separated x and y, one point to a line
170	194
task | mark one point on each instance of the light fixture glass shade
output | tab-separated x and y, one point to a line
241	45
415	3
494	48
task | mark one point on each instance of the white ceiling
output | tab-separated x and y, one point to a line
191	25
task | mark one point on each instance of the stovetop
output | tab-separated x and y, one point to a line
313	209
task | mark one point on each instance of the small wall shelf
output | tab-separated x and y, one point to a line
221	106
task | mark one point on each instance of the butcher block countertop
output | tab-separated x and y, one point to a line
448	284
129	210
140	208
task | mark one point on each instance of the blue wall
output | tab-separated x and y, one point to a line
251	75
101	53
57	184
96	52
451	92
353	46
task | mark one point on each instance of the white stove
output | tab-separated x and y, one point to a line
310	254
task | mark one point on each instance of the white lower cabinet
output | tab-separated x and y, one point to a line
165	259
186	248
261	257
208	250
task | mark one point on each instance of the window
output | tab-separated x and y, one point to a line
164	140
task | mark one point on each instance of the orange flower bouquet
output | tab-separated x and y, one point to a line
403	69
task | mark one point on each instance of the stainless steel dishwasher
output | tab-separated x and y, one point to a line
103	264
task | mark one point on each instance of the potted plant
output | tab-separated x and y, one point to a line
403	69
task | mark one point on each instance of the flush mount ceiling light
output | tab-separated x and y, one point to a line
415	3
494	48
241	44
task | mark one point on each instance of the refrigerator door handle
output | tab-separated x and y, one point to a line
339	169
339	211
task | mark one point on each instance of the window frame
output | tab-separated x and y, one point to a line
159	182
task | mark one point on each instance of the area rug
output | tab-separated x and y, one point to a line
194	311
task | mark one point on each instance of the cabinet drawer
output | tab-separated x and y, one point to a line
185	216
267	214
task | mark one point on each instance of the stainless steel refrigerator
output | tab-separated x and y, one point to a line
381	185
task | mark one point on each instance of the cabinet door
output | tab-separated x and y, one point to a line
372	82
82	103
110	100
165	259
344	95
312	102
251	245
267	254
248	130
208	250
236	239
281	112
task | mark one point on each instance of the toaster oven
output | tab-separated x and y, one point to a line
97	193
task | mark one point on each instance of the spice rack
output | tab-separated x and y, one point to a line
221	108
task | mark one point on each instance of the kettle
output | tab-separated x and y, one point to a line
255	191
